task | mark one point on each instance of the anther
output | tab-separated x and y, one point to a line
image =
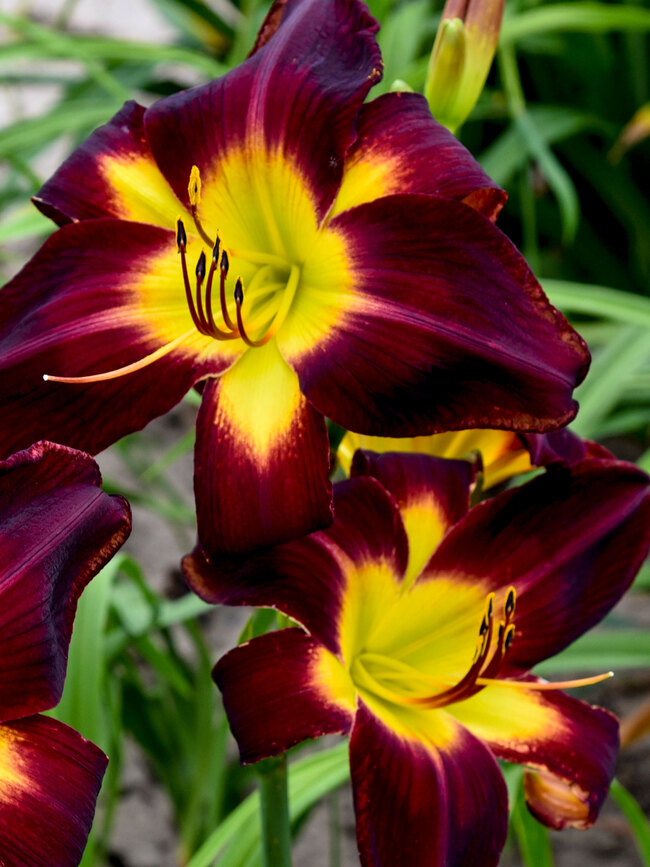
509	607
509	637
215	250
200	268
194	194
194	187
239	292
490	605
181	237
484	626
225	262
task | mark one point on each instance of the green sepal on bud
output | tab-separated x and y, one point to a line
462	54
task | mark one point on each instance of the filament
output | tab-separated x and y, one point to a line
122	371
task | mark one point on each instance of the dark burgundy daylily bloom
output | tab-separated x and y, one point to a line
422	621
57	530
360	277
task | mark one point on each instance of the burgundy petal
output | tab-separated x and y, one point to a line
448	328
88	185
306	578
570	542
57	530
79	307
298	95
49	780
561	446
400	148
281	671
261	460
569	746
410	478
424	804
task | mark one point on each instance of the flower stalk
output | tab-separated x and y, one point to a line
274	807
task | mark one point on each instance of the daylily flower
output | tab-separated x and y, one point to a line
297	253
421	623
57	530
503	454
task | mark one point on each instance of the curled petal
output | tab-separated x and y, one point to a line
570	747
298	694
57	530
49	780
437	332
261	460
561	447
425	803
400	148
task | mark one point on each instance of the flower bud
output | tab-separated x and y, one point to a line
462	54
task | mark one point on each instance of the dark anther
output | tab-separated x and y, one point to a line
490	606
502	629
200	267
181	237
510	602
225	264
510	636
239	291
484	626
215	251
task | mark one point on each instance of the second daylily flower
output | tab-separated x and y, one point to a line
300	253
422	621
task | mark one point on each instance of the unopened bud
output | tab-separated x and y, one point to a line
462	54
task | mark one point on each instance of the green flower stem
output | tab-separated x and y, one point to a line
274	802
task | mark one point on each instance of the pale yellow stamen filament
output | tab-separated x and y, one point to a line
280	316
255	258
123	371
545	687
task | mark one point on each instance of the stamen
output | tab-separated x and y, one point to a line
194	187
194	193
122	371
200	277
208	289
225	265
546	687
509	607
181	240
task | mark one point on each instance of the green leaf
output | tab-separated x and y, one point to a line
532	837
601	650
594	300
81	705
508	155
66	118
26	222
309	779
576	17
635	816
610	368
